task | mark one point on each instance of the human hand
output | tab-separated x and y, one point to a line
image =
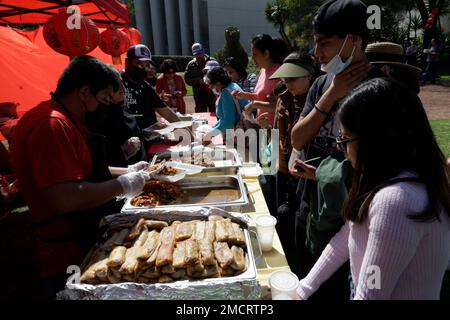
132	183
348	79
132	146
263	120
302	170
236	94
141	165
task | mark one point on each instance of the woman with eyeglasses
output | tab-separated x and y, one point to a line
171	87
397	230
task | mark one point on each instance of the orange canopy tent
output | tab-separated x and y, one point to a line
29	67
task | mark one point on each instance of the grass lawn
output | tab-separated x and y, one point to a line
189	90
441	129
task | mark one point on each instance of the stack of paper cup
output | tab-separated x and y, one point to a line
283	285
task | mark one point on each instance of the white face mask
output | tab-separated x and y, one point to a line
336	65
216	92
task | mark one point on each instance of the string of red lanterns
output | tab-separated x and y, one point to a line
74	35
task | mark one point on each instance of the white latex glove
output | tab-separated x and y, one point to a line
132	183
141	165
132	146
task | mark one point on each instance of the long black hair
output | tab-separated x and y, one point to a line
393	135
277	48
236	65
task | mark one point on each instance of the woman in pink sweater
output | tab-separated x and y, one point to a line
397	230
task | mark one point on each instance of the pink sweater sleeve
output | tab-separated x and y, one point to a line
392	241
332	258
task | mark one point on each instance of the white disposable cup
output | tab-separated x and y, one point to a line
265	228
283	285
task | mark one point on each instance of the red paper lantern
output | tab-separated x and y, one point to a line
72	40
134	35
114	42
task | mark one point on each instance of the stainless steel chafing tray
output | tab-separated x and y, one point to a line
226	161
217	191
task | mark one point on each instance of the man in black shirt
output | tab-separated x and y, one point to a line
141	100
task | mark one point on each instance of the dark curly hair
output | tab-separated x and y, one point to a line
218	74
167	65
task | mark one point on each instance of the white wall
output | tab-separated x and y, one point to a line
247	15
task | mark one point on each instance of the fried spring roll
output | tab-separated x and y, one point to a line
112	277
215	218
167	269
165	252
210	231
102	270
139	242
155	224
165	279
152	273
192	252
206	252
184	231
232	237
240	237
129	278
223	254
239	258
136	230
180	273
89	276
179	255
200	231
117	257
149	246
222	233
131	261
227	272
150	262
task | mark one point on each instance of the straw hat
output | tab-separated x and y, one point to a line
389	53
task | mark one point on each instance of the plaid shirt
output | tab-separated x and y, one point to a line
248	84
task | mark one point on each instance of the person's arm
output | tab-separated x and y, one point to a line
76	196
332	258
392	243
307	126
264	106
241	95
167	114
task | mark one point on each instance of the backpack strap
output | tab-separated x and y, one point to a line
236	103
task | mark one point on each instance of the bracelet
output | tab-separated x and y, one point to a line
321	111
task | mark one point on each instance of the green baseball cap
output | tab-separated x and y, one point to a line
294	66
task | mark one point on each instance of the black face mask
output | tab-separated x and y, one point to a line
138	74
152	81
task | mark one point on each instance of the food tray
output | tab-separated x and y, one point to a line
217	191
242	286
226	161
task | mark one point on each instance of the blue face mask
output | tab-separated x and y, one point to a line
336	65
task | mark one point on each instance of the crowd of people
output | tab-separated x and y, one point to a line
376	192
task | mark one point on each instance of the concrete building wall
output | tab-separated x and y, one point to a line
171	26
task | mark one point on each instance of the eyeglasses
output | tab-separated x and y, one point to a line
342	141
